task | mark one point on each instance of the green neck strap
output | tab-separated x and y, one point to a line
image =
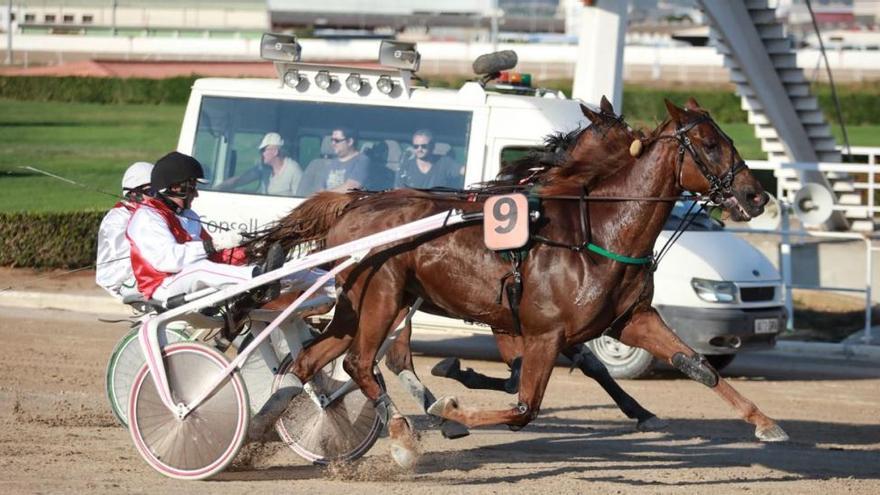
534	204
619	257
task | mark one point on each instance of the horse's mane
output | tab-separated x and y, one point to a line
532	167
305	225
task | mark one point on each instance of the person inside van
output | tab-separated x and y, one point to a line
424	169
350	168
380	176
279	175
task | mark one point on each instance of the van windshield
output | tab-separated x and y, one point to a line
295	148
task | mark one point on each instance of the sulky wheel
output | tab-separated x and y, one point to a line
125	361
342	430
206	441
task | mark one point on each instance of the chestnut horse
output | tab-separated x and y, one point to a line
606	141
568	297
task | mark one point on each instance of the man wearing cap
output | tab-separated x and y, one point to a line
113	267
170	251
279	175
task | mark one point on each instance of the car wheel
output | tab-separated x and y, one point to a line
720	361
622	360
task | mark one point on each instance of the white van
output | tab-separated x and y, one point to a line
718	292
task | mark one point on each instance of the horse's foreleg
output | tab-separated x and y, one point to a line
648	331
539	356
591	366
399	361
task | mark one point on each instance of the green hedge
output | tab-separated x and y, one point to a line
49	240
860	103
97	89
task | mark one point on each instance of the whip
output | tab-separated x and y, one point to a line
101	191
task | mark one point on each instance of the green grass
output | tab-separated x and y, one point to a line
88	143
93	144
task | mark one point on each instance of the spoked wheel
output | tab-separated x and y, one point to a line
206	441
125	361
321	432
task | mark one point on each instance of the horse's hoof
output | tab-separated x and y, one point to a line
442	406
264	420
453	429
652	424
772	433
404	447
403	457
447	368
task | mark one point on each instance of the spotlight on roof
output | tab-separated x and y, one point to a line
280	48
323	79
399	55
385	85
293	79
354	83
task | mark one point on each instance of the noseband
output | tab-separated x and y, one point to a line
720	188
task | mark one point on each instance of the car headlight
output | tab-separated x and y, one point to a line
714	291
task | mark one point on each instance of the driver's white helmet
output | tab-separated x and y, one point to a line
137	175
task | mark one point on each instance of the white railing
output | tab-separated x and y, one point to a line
782	170
871	152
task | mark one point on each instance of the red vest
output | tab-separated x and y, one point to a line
149	278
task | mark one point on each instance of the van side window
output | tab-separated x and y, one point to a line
296	148
510	160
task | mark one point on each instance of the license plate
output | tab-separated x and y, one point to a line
767	325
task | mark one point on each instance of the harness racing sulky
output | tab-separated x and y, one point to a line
551	255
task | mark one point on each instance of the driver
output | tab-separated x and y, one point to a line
170	251
112	266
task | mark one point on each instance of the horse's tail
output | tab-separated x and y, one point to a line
305	226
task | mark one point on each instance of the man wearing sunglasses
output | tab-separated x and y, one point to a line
350	168
170	251
424	170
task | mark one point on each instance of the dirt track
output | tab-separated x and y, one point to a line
58	435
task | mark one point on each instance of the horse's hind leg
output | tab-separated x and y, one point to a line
538	358
379	311
591	366
648	331
510	348
330	344
399	361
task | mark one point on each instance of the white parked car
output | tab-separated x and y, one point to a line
721	295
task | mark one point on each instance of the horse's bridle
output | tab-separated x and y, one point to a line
720	188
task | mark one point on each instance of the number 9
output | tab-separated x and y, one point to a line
510	216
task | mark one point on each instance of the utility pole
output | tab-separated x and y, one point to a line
493	32
599	67
113	18
9	34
